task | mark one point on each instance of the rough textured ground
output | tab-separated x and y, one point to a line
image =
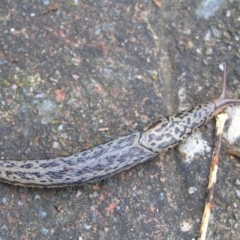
75	74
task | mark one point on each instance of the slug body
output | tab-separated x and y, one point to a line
114	156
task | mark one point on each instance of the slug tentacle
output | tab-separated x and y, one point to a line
114	156
221	101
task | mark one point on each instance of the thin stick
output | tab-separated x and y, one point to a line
220	122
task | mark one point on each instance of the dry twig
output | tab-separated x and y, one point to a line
220	122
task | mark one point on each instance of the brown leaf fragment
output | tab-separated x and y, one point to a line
157	3
37	139
60	95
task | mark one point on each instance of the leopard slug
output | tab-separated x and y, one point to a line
114	156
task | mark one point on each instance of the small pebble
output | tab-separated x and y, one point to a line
75	2
40	95
236	226
238	182
42	214
37	197
55	145
209	51
45	2
238	193
216	32
14	86
60	127
207	36
45	231
228	13
4	201
192	190
185	227
221	66
86	226
161	196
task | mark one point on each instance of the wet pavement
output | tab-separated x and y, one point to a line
75	74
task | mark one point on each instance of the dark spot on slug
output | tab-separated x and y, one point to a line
8	173
151	136
168	135
37	174
10	165
28	165
49	164
195	114
162	126
56	175
22	175
171	143
176	130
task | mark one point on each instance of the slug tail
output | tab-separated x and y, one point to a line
221	101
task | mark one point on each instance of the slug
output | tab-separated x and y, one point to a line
117	155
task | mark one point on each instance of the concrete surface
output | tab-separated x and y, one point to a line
75	74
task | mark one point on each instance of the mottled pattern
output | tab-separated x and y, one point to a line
87	166
170	131
109	158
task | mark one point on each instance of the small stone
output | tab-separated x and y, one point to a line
37	197
209	51
60	127
221	66
45	231
185	227
238	182
98	31
55	145
161	196
86	226
198	220
42	214
228	13
4	201
14	86
45	2
192	190
236	226
216	32
231	222
198	51
238	193
74	2
139	192
40	95
207	36
187	32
